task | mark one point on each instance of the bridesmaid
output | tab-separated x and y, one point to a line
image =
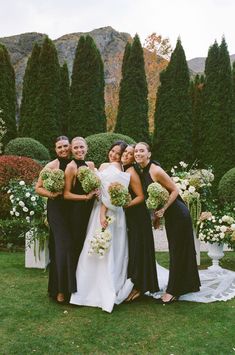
62	280
142	263
81	204
183	272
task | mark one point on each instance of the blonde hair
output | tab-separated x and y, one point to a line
145	144
79	139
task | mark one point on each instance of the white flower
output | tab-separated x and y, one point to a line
223	229
21	182
175	179
21	204
12	213
172	170
183	164
221	235
33	198
27	219
17	214
191	189
233	227
31	213
9	191
27	194
183	187
25	209
11	197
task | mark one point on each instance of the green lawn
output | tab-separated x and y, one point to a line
31	323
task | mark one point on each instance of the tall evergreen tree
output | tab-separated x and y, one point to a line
45	126
197	86
233	105
217	146
172	140
123	91
133	101
29	93
87	90
64	99
7	95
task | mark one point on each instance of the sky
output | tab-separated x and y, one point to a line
197	22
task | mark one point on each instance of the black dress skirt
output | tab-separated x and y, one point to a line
61	268
142	263
183	272
79	214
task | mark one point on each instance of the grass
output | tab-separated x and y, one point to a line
31	323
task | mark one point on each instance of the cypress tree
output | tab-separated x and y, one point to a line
133	101
172	140
29	93
87	90
233	114
217	145
7	95
45	126
123	89
64	100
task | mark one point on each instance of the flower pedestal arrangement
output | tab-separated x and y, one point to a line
36	254
197	247
215	253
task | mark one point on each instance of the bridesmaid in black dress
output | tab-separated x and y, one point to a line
62	281
142	263
183	272
80	204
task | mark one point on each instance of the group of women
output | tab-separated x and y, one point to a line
128	269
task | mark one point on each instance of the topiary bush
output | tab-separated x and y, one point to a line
226	187
13	167
99	144
27	147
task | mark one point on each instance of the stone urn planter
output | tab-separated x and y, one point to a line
36	252
215	252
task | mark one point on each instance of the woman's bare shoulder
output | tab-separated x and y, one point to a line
91	165
54	164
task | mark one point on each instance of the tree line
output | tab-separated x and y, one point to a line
194	119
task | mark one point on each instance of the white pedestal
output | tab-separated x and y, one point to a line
34	258
197	248
215	252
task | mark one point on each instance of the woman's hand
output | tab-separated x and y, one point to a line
160	213
55	194
103	221
90	195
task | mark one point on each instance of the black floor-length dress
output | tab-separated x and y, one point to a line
142	263
183	272
61	268
79	214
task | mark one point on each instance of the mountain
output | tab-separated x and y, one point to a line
197	65
111	44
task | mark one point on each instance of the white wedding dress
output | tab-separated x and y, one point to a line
102	282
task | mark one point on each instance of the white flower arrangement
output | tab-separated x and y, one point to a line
101	241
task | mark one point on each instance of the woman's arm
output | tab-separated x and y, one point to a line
103	220
136	187
159	175
70	175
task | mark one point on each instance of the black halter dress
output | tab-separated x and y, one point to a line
142	263
61	268
183	272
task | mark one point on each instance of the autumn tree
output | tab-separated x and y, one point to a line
172	141
45	127
133	109
7	95
87	90
29	93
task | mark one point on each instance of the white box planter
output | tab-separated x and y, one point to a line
35	258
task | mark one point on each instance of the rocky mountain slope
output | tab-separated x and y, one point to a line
197	65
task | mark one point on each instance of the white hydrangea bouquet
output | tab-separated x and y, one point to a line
157	197
101	241
119	194
217	228
194	186
52	179
89	180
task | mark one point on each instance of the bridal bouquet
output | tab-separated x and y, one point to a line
100	243
52	179
119	194
157	196
89	180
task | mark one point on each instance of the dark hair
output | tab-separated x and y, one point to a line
61	138
121	144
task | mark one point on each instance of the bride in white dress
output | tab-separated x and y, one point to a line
102	282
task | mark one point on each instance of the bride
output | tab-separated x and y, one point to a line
103	282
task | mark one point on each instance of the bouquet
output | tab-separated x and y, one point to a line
157	196
89	180
100	243
119	194
52	179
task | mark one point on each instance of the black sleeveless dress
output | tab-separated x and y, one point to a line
79	214
183	272
142	263
61	268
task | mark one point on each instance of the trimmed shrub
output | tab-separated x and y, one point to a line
27	147
12	233
226	190
99	144
13	167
